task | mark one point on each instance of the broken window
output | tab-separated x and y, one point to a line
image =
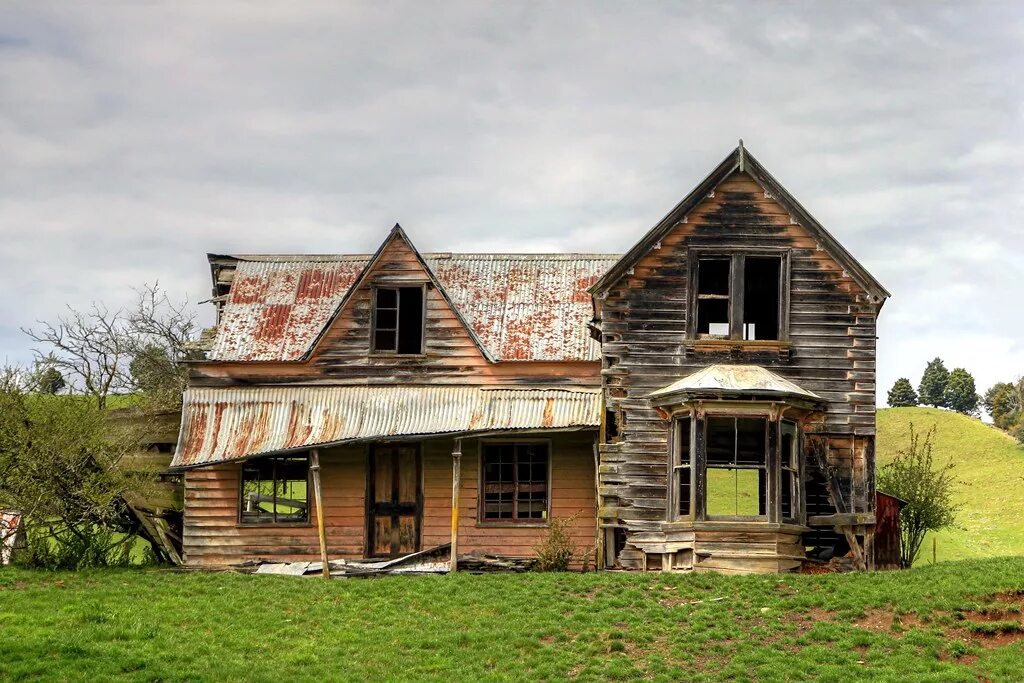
789	494
739	297
398	320
683	470
515	482
613	420
275	491
736	481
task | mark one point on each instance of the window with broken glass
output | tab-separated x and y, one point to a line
514	482
398	320
275	491
736	468
739	296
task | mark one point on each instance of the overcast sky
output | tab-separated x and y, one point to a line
136	139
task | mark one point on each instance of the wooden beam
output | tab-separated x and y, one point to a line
314	467
456	478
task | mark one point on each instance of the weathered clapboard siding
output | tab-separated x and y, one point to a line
214	537
830	350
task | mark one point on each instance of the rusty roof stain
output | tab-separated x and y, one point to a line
522	307
733	379
220	425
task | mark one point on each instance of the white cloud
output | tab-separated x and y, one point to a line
138	138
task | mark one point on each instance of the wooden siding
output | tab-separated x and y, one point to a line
214	537
830	350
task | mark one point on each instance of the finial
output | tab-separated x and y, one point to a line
742	160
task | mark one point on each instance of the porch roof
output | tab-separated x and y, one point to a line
221	425
733	380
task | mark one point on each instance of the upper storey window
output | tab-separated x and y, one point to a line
739	296
398	320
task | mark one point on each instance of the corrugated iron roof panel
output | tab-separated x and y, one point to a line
220	425
531	307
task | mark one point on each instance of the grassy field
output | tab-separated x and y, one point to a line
956	621
990	474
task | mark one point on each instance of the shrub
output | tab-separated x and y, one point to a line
928	490
555	552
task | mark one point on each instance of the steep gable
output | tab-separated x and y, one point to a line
740	163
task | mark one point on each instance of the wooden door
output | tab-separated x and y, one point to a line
396	500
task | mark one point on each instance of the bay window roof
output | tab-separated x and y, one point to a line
720	381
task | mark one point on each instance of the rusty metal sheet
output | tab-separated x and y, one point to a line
219	425
525	307
734	379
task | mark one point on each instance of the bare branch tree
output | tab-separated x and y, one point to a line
92	349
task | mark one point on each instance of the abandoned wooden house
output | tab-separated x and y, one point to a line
705	401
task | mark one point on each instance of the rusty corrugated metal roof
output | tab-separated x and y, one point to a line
733	379
531	307
220	425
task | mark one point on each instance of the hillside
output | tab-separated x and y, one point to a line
990	468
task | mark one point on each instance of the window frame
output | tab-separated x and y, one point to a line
737	256
699	417
769	477
243	522
483	521
398	286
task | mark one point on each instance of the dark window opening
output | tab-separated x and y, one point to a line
789	495
612	425
761	297
684	473
713	298
398	320
515	481
275	491
739	297
736	470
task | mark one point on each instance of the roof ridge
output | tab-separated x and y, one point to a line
494	256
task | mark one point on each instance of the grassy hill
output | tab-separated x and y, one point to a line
990	469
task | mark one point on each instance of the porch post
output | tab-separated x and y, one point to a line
456	477
314	467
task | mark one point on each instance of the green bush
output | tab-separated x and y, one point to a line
555	552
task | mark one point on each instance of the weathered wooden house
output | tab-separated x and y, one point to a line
705	401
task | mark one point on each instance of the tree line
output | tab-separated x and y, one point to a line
957	391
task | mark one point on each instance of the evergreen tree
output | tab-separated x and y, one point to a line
932	390
961	394
1005	403
902	394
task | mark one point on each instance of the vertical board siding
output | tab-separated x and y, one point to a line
212	535
644	325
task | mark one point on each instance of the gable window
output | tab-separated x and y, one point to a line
739	296
514	480
275	491
398	320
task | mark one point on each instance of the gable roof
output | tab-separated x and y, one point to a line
741	160
518	307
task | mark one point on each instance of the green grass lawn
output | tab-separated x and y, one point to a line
950	622
990	475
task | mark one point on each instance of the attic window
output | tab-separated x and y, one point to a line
398	320
739	296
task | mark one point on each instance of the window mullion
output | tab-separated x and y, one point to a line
736	297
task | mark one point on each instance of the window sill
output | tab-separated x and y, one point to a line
732	525
781	347
398	356
274	525
543	524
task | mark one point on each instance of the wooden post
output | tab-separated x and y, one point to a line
314	467
456	478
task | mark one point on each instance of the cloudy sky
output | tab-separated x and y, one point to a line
136	139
